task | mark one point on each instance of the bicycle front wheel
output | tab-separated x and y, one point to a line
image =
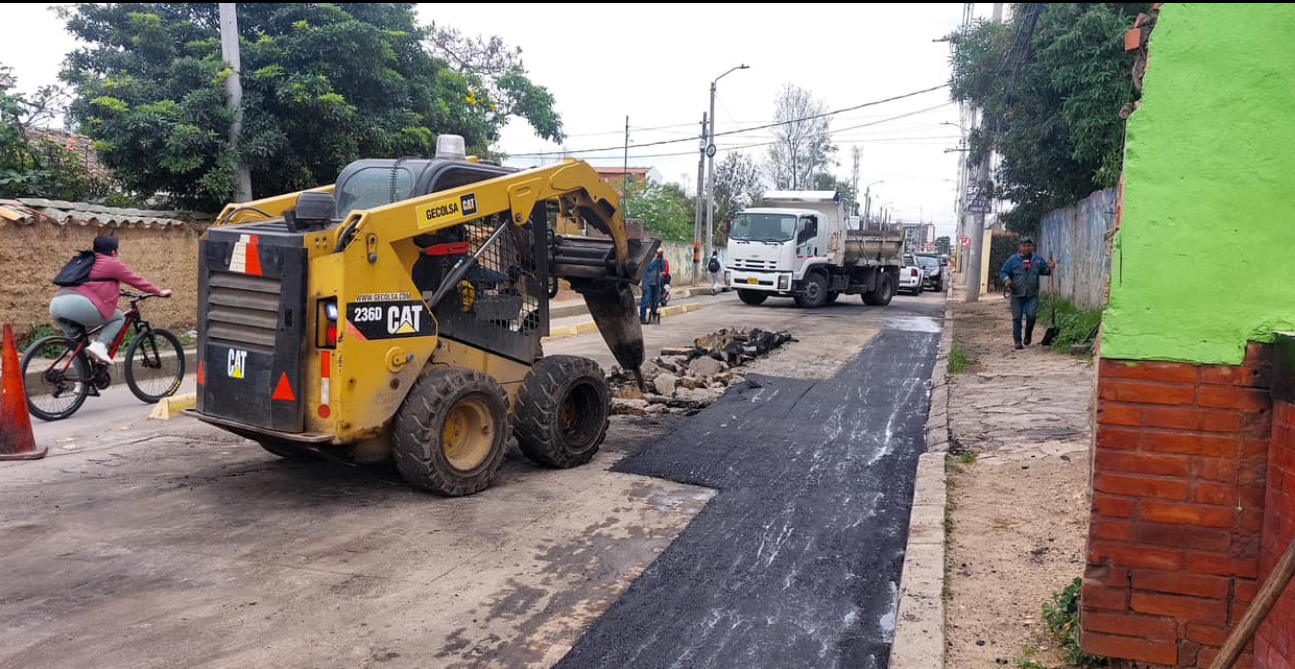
154	365
63	381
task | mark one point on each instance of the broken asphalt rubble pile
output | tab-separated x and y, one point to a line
684	380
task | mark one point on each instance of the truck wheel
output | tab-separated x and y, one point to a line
752	297
814	294
882	294
561	413
450	432
831	296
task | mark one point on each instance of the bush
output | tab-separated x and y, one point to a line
1076	326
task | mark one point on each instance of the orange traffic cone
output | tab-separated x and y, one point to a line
16	439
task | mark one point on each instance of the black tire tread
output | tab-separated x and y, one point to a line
31	352
416	439
130	365
752	297
535	416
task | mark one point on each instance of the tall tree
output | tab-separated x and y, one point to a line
664	209
803	139
738	183
828	181
32	165
323	84
1052	83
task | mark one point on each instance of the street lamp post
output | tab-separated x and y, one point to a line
867	200
710	164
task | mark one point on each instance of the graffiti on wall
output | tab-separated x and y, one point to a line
1076	237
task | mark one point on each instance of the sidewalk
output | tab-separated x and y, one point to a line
1019	510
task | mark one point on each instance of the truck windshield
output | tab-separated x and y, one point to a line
763	227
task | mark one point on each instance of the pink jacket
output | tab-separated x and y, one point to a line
104	288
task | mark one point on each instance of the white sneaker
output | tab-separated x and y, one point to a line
99	352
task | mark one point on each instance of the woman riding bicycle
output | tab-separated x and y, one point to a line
94	302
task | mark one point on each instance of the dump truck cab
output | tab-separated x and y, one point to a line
321	311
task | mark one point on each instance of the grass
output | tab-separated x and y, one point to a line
960	359
1061	615
1077	327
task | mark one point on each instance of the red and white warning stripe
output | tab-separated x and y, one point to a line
325	374
247	256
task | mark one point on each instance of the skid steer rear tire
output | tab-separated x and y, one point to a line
449	434
561	413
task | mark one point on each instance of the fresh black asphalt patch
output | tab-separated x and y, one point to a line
796	561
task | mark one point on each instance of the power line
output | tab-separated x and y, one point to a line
743	130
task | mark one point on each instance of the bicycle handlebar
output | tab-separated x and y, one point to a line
138	297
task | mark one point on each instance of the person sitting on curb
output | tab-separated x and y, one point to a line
1021	275
94	302
651	284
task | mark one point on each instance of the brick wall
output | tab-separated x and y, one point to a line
1275	642
1179	479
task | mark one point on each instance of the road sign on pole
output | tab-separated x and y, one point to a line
964	242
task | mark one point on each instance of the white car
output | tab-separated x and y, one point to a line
910	276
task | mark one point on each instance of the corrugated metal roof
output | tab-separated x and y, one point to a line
28	211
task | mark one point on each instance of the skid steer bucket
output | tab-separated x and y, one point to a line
590	266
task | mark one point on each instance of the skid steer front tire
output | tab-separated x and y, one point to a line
450	432
561	413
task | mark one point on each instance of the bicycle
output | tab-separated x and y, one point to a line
154	365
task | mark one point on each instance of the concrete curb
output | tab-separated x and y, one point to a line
589	326
919	621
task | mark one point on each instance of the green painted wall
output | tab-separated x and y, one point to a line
1205	257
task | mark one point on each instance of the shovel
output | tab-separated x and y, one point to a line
1051	335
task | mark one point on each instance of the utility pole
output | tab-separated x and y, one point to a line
697	200
710	163
234	91
857	152
625	170
982	196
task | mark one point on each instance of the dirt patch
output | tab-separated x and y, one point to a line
1019	499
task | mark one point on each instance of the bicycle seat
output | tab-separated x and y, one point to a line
76	327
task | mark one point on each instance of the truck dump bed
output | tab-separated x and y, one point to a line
873	248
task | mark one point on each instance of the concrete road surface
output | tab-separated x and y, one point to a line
175	544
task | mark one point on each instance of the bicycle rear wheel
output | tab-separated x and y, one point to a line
154	365
64	380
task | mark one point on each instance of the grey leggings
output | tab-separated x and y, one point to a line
79	309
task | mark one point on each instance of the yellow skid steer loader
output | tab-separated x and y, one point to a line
399	313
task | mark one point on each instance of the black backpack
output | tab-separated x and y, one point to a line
714	264
76	271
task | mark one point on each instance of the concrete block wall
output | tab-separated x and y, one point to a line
1179	485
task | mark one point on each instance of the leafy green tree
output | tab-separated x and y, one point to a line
738	184
664	209
1052	83
324	84
943	245
31	165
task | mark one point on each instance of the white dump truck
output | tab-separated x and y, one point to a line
799	244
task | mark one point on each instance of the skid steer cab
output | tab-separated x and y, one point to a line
399	313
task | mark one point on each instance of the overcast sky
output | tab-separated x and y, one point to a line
654	63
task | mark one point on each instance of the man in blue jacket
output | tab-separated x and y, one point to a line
651	284
1021	273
